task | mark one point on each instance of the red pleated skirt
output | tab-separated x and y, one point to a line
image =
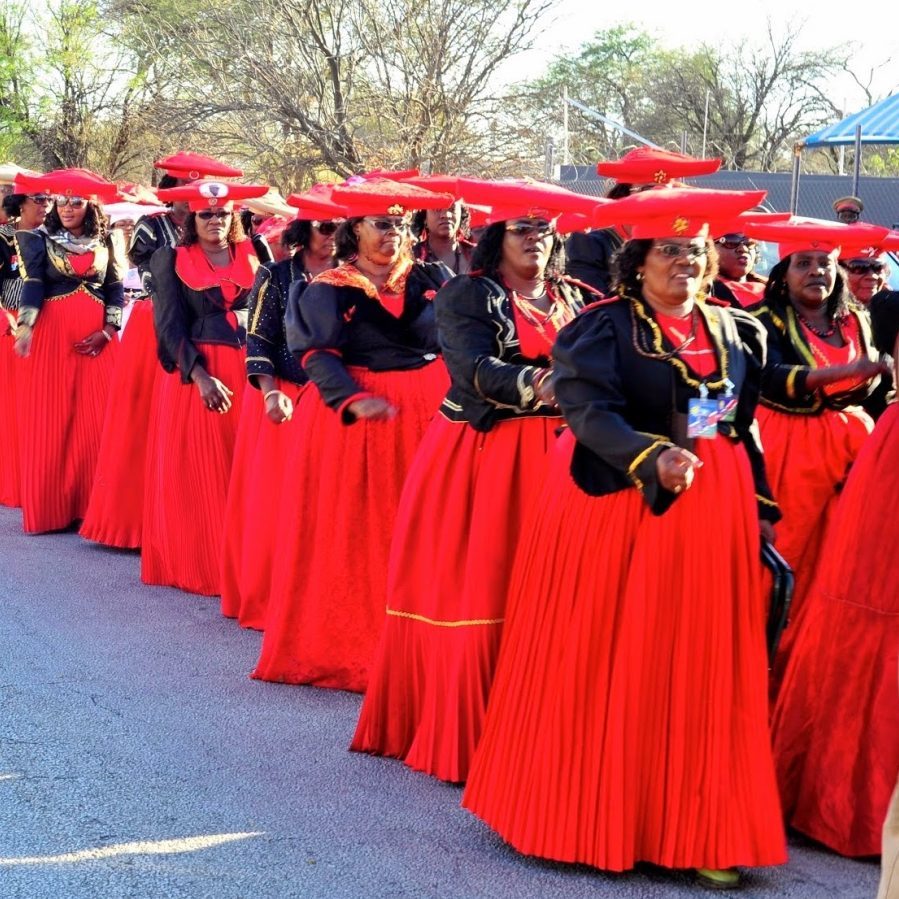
258	482
453	546
629	719
836	721
807	458
10	491
329	586
61	409
189	454
116	508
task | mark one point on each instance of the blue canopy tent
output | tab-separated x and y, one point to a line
878	124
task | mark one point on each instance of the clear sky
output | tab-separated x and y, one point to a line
874	33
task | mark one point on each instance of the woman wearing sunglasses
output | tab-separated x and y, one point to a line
70	310
267	429
835	725
736	283
822	365
116	509
366	336
628	719
200	311
868	271
24	212
464	500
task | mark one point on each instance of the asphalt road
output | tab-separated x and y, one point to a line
137	759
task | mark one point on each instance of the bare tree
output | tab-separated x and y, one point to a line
338	85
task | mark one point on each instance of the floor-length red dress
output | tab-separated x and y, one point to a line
115	512
836	720
457	527
190	448
628	720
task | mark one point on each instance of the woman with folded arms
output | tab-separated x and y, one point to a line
200	310
24	212
70	311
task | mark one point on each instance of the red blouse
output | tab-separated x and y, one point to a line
699	354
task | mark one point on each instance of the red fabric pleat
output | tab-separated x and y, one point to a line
258	482
10	474
326	608
628	719
189	454
836	721
807	458
454	541
116	508
62	402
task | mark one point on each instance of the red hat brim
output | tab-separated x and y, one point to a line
800	235
69	182
209	194
675	211
316	204
193	166
647	165
870	250
523	198
386	197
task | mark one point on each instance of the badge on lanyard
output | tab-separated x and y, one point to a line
727	404
702	415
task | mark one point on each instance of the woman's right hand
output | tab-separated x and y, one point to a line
374	408
22	345
675	468
215	395
278	406
864	368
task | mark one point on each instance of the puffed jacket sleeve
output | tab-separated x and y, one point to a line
471	339
32	253
175	348
113	282
316	329
592	399
754	340
782	383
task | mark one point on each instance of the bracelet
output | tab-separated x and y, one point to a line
541	377
267	395
106	333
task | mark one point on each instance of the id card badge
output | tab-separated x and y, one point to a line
702	416
727	404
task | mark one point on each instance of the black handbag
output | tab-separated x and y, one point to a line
781	596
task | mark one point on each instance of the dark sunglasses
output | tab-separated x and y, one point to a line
207	214
386	225
675	250
326	229
536	229
734	243
41	199
74	202
866	267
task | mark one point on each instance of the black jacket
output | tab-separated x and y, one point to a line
620	394
184	317
47	272
332	327
589	257
491	380
267	352
790	360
